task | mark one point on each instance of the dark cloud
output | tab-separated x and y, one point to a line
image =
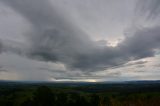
142	44
55	38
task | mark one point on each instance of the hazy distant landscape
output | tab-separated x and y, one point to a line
132	93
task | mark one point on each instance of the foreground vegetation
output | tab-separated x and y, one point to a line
79	95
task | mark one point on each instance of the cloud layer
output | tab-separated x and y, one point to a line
54	37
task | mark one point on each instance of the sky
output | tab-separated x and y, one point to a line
79	40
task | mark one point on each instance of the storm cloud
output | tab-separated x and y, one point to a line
55	38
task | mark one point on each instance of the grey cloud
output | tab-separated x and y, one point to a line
136	63
140	62
156	65
140	66
142	44
0	47
139	46
2	69
148	8
55	38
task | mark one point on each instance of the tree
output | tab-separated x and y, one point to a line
43	96
95	100
61	99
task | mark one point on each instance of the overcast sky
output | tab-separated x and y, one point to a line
80	40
